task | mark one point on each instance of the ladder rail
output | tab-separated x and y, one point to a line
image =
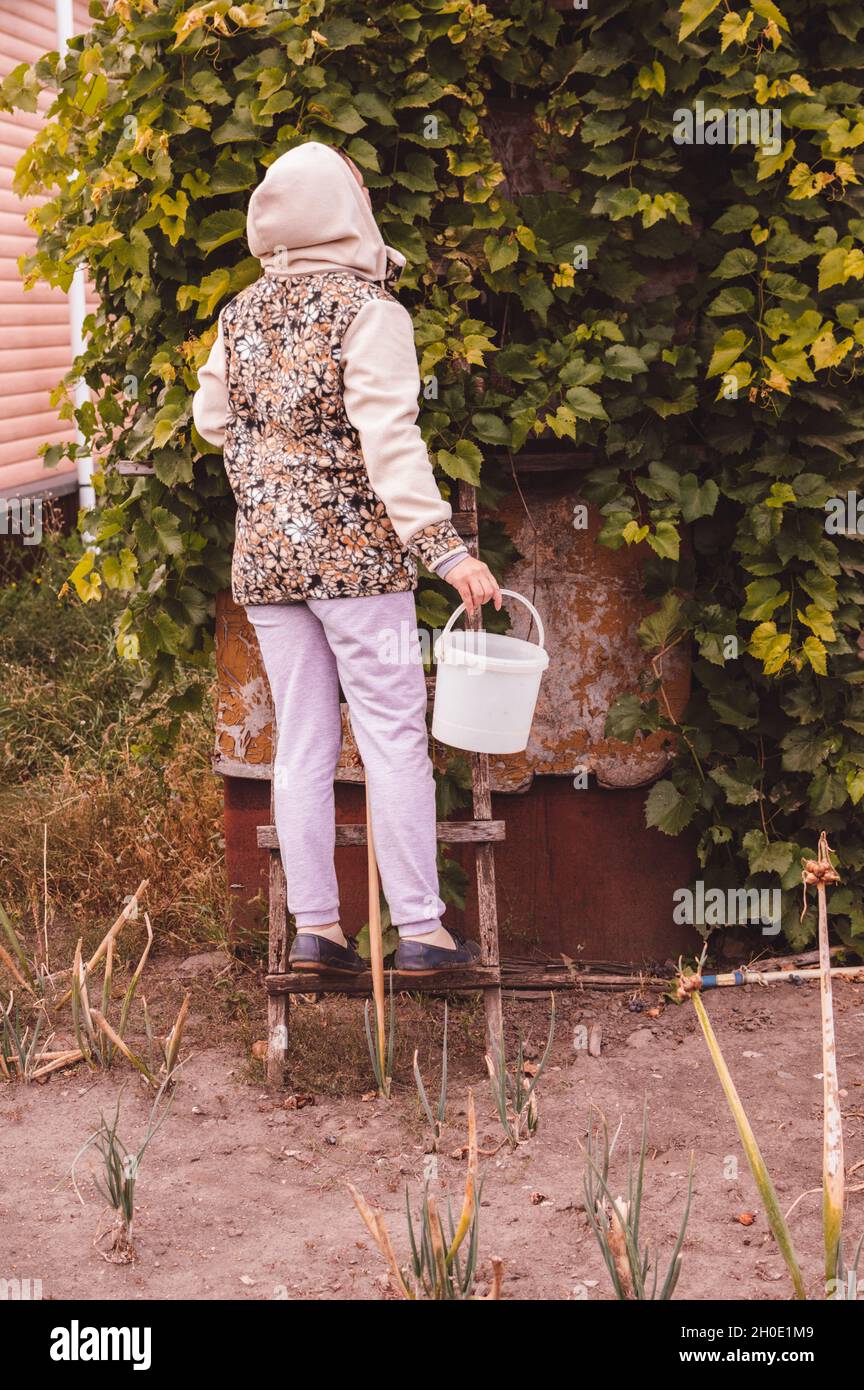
487	900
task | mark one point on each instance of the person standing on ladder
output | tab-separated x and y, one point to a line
311	389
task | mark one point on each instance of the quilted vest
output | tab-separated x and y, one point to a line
308	522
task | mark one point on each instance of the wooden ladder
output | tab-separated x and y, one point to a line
482	832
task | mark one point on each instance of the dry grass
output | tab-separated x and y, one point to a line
105	832
86	809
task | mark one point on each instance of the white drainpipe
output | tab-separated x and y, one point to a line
77	309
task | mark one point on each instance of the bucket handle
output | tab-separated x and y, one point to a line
511	593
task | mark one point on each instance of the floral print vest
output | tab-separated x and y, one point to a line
308	523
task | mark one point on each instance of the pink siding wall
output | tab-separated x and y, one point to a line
35	345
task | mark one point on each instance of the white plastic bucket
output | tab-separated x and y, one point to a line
487	686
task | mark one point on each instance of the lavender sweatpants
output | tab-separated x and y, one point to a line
369	646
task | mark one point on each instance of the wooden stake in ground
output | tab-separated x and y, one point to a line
819	872
277	961
376	944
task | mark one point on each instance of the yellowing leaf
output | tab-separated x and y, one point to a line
816	655
127	646
772	163
769	647
727	350
88	583
841	136
777	382
737	376
693	13
805	183
633	533
854	781
651	79
839	265
119	570
91	94
800	84
766	9
475	345
248	16
819	620
562	423
173	224
733	29
188	22
526	238
665	541
779	495
827	352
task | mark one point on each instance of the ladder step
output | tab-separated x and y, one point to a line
465	523
449	832
305	982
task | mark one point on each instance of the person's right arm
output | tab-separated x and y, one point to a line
210	402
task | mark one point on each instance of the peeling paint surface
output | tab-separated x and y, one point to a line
244	706
591	604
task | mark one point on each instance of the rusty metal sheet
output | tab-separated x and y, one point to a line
244	707
591	603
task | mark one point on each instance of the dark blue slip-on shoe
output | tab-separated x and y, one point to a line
417	958
318	953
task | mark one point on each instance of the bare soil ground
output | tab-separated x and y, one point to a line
243	1192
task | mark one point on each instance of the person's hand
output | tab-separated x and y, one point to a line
476	583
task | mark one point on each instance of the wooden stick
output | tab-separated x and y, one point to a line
448	832
278	1012
833	1176
781	962
376	945
45	892
50	1054
65	1060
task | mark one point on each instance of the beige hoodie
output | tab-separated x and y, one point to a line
309	215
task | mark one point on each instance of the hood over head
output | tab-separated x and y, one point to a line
309	214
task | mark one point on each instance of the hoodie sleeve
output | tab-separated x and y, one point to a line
210	402
381	384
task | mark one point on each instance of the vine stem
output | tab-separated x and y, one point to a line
657	668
